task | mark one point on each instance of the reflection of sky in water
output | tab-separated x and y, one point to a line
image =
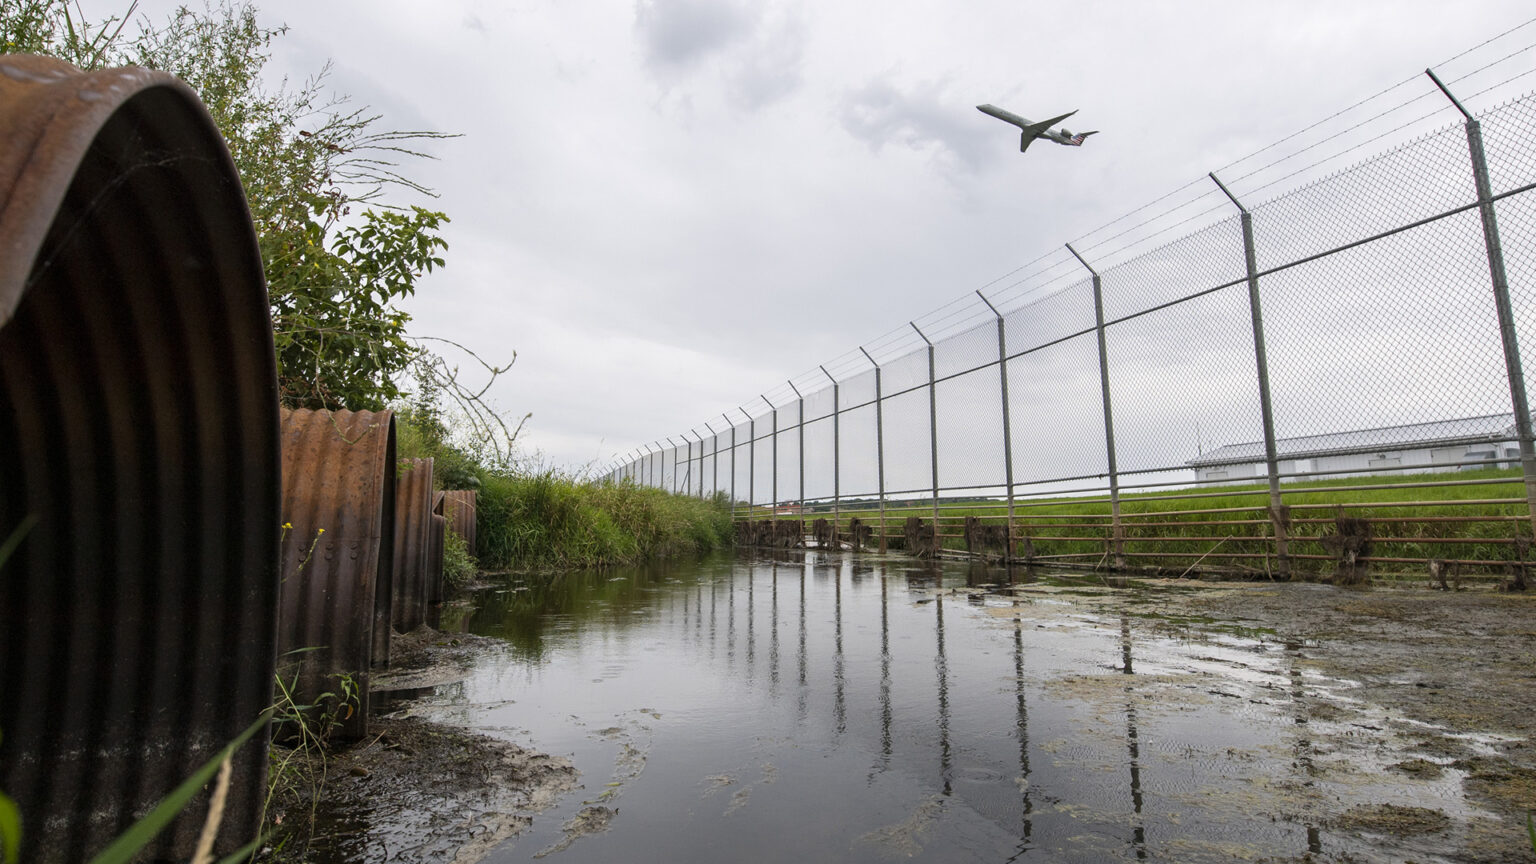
840	709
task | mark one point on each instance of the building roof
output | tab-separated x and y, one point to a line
1440	433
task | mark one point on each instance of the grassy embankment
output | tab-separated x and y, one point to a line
1476	520
546	519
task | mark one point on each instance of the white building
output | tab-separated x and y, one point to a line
1422	447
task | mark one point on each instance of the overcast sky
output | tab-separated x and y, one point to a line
668	207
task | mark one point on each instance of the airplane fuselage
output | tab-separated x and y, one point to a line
1032	130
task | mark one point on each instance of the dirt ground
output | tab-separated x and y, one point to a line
1455	672
414	790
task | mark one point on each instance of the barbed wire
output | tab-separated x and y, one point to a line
1041	275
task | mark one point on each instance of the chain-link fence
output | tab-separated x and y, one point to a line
1366	324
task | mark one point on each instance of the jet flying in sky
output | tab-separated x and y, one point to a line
1033	130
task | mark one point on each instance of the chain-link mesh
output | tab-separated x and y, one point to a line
1416	181
907	450
1184	381
858	454
1507	134
1056	412
858	390
1388	352
971	429
1203	260
1050	319
741	458
1517	226
904	373
1401	332
819	451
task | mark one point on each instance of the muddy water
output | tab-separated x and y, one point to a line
825	707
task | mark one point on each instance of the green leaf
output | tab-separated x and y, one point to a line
16	537
10	831
139	835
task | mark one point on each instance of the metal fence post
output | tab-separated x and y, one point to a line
800	445
773	454
674	464
728	422
701	461
1117	536
1002	368
933	431
714	462
836	450
1266	409
751	461
879	446
1512	366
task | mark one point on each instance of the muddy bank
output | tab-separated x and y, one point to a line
412	790
1419	705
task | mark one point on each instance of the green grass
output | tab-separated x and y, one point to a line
549	520
1176	527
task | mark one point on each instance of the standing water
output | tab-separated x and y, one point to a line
827	707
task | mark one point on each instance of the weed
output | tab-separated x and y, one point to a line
548	519
459	567
299	754
10	831
10	815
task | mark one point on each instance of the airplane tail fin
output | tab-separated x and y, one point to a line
1077	140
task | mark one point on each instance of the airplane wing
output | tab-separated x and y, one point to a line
1035	130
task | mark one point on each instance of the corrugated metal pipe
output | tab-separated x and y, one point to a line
139	436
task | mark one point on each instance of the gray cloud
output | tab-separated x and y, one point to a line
770	70
753	51
679	34
925	118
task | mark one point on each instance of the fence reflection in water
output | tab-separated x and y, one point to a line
882	707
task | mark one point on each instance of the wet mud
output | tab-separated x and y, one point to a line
1415	708
413	790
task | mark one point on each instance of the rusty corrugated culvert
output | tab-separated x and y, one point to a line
435	566
413	538
338	552
458	506
138	428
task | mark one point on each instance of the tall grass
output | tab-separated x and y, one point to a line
549	519
533	516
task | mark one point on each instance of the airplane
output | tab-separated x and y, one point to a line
1038	130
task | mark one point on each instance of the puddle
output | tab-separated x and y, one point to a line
821	707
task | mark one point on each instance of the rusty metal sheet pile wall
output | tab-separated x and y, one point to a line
435	563
138	425
459	506
413	537
338	548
